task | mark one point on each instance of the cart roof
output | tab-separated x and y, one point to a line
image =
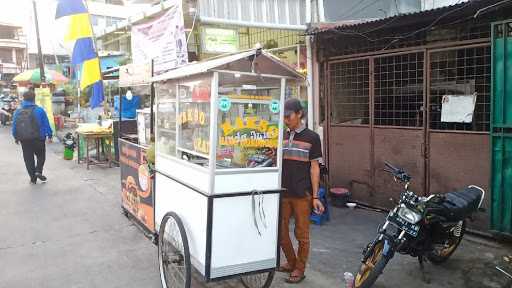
265	63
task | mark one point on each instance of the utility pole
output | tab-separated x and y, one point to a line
39	51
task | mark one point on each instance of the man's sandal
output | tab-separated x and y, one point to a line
285	269
295	279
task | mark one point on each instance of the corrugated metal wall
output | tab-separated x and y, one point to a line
501	128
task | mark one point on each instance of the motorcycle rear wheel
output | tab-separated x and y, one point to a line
442	252
372	268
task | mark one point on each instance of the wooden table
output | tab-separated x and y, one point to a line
96	139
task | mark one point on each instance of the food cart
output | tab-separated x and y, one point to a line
137	191
219	129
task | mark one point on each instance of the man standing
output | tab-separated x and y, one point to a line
301	176
31	127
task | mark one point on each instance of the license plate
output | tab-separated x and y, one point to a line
411	229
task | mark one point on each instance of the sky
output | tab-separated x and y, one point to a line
20	12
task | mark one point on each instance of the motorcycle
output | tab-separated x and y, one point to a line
429	228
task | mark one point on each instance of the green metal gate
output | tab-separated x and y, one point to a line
501	127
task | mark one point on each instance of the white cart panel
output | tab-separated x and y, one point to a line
236	245
246	182
189	173
191	207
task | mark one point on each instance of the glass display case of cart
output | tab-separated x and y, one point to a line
248	121
166	117
194	119
183	119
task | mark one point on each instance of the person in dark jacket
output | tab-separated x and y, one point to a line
35	145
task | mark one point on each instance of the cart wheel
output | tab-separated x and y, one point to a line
262	280
173	253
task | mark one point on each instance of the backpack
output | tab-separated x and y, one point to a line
26	125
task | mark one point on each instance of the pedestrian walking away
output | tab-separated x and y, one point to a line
31	129
301	176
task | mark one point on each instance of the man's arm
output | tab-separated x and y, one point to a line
46	124
315	177
315	183
13	129
315	155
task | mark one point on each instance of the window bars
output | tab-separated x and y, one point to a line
350	92
399	90
463	71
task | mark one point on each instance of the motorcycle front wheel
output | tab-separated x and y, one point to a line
372	268
442	252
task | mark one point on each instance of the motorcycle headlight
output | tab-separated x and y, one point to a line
409	215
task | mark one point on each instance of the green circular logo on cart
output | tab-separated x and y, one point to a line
274	106
224	104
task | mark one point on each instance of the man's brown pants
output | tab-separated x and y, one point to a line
300	209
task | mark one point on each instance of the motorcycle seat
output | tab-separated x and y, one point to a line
461	204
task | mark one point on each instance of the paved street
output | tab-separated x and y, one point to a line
70	232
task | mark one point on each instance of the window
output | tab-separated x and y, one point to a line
95	19
291	12
111	21
458	74
7	32
6	55
350	92
399	90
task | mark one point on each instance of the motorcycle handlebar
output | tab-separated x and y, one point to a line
390	166
398	173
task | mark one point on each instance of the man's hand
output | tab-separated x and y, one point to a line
318	206
50	140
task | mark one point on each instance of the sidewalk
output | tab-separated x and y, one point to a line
70	232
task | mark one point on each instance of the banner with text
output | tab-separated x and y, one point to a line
163	40
44	99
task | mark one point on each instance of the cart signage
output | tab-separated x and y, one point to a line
249	132
224	104
274	106
137	188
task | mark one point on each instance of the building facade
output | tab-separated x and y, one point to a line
384	93
109	13
13	47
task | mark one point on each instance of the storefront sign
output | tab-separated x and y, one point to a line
217	40
137	185
44	99
162	39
